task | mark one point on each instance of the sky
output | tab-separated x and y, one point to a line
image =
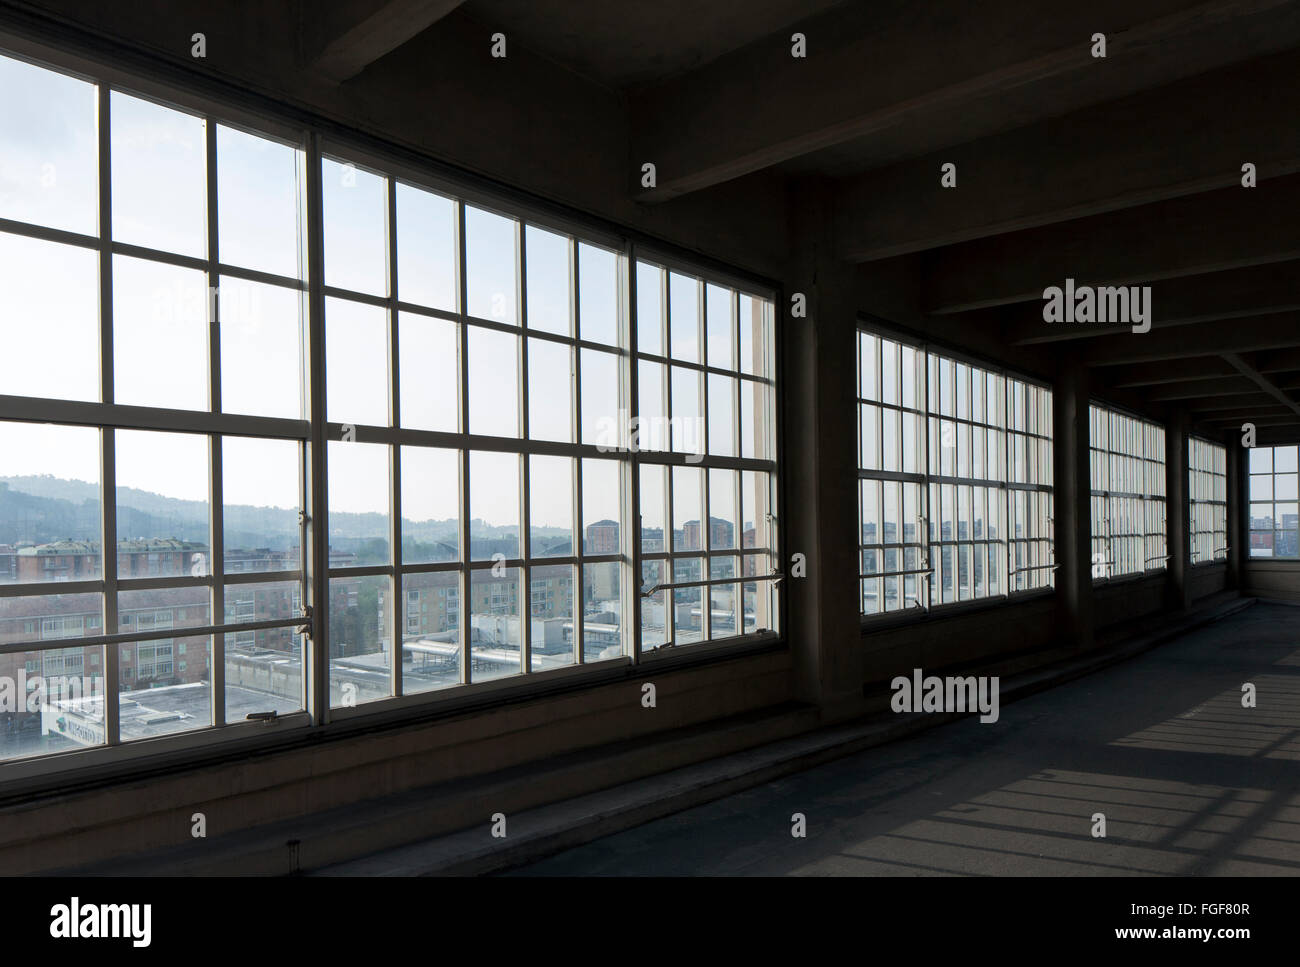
49	316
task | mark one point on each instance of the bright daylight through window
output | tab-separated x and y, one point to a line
544	448
954	477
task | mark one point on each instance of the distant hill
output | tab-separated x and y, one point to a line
41	509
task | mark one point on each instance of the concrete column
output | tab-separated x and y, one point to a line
1177	508
1072	506
820	422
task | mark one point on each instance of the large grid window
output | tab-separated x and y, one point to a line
152	416
1274	518
955	479
543	448
1128	494
706	453
1207	480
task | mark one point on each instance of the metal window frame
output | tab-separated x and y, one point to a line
1273	501
933	477
314	140
1146	498
1217	473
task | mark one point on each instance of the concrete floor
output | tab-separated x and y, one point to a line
1190	782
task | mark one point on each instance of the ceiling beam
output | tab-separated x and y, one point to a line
350	51
1281	330
1262	381
899	81
1277	361
1108	157
1234	294
1225	386
1211	232
1169	373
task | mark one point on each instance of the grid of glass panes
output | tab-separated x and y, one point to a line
1274	503
475	365
1127	463
968	497
704	449
1029	497
935	496
1207	477
156	255
480	463
892	461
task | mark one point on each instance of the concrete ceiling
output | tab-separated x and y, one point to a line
623	44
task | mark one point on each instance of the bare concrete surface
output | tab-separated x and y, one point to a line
1189	781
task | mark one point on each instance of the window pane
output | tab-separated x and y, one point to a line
550	391
494	504
62	706
649	308
652	416
755	336
600	506
600	399
430	631
355	207
426	248
159	180
162	504
430	505
598	301
49	503
48	170
261	349
264	668
687	499
159	698
602	637
722	416
721	326
653	498
687	422
259	192
262	493
49	310
684	308
550	511
496	645
359	511
493	382
360	640
550	281
430	373
722	509
160	334
356	363
551	607
491	266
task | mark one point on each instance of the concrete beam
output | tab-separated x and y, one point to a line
1278	361
1225	386
1234	294
1212	232
393	23
1281	330
1262	381
1174	371
925	78
1112	156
